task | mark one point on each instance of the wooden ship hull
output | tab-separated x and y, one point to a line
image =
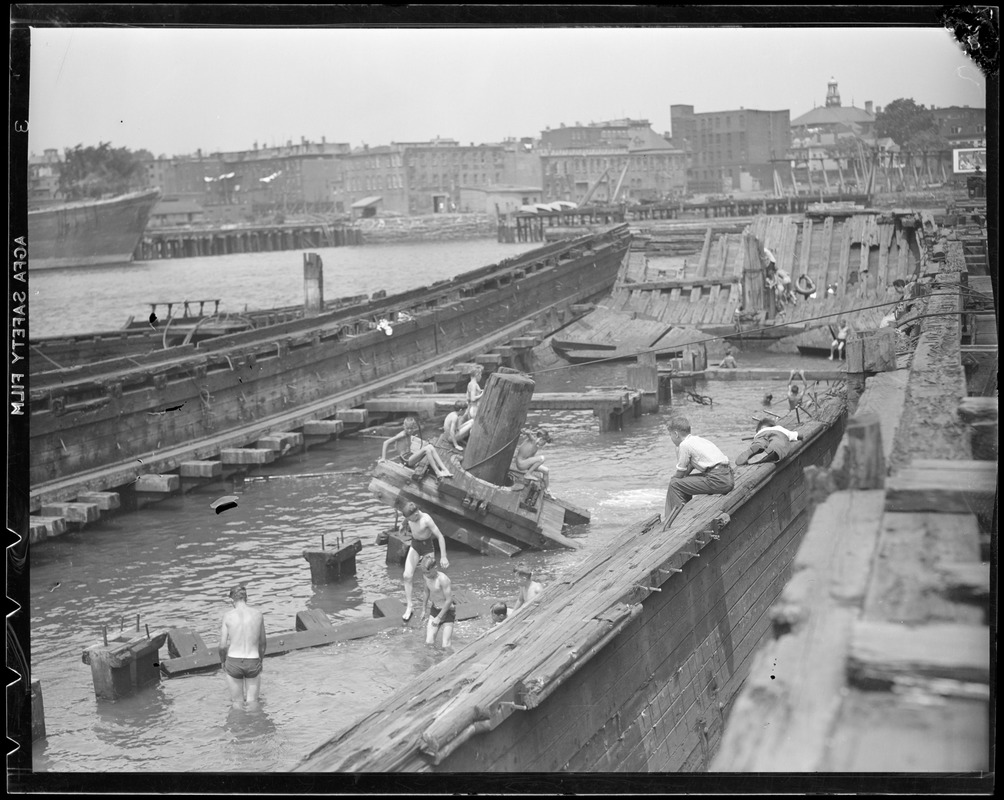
100	425
630	662
860	252
89	233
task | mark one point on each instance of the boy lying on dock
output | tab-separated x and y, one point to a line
770	443
411	449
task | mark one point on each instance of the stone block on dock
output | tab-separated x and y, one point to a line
323	427
106	501
157	484
353	416
281	443
50	526
333	563
73	512
246	455
201	469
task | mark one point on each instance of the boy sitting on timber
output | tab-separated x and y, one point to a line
411	449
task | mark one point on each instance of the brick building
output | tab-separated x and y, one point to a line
731	150
621	160
962	126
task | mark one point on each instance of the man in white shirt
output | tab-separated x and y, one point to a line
701	468
770	443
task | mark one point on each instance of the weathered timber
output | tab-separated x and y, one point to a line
37	712
246	455
948	488
124	665
494	437
202	470
73	512
620	677
292	372
323	427
881	653
281	443
312	619
332	564
157	484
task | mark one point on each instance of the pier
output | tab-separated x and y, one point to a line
191	242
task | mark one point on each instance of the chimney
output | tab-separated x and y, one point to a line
868	106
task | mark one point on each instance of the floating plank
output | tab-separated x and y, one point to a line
201	469
246	455
73	512
159	484
106	501
883	652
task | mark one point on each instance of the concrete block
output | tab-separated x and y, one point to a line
54	526
353	416
106	501
157	483
323	427
201	469
73	512
280	442
246	455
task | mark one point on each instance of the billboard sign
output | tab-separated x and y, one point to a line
967	160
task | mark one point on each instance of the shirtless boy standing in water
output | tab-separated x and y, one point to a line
438	592
242	647
424	534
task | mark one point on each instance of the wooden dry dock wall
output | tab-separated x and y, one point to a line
628	664
882	654
96	416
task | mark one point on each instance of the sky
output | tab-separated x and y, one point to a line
173	91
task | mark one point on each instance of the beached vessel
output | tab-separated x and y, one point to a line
101	424
629	663
90	232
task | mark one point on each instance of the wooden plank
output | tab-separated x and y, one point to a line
881	653
803	258
313	619
824	269
323	427
184	642
946	490
978	409
702	264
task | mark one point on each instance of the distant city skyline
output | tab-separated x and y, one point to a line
176	91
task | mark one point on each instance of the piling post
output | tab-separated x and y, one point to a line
329	566
644	376
37	712
313	285
501	414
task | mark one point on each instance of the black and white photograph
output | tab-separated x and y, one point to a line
502	399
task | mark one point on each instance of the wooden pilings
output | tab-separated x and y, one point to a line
644	376
313	285
124	664
501	414
331	565
191	243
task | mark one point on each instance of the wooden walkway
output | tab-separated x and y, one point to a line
881	656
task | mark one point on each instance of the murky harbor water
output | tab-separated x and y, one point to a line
173	563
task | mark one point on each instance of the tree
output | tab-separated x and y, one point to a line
903	119
97	171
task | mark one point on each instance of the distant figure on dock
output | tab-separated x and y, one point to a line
242	648
840	340
500	612
714	472
770	443
526	461
438	591
411	449
423	528
474	391
529	589
729	362
458	423
796	394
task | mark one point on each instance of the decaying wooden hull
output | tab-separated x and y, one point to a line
629	663
475	512
103	418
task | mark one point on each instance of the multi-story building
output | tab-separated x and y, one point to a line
43	177
962	126
610	162
731	150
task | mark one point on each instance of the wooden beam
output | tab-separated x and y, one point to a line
943	486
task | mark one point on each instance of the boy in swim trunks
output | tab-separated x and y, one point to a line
411	449
423	528
438	590
242	647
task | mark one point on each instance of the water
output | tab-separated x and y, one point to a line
173	564
70	301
